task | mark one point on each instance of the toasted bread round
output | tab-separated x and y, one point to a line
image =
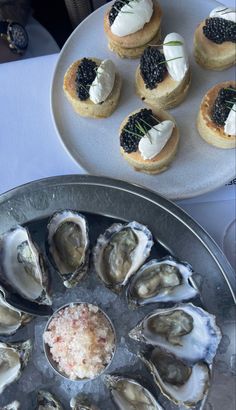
211	55
212	133
162	160
137	41
87	108
167	94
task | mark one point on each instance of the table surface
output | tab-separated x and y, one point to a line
30	148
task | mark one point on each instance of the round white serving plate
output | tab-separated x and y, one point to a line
94	143
105	201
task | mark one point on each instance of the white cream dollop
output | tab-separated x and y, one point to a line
176	68
132	17
230	123
154	141
224	13
103	83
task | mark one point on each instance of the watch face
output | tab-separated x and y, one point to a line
18	37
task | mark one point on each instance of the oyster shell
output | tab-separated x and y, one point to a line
11	319
68	245
47	401
15	405
81	403
22	268
185	330
181	383
13	358
120	251
128	394
163	280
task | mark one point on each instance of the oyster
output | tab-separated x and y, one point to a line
13	358
47	401
185	330
15	405
163	280
181	383
22	268
11	319
68	245
128	394
81	403
120	251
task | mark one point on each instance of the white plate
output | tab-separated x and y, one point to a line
198	167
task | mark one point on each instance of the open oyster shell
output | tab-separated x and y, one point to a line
22	268
185	330
163	280
181	383
129	394
81	403
13	359
120	251
11	319
47	401
68	245
15	405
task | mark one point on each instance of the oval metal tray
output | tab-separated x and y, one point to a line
105	200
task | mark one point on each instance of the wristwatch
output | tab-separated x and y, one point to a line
15	34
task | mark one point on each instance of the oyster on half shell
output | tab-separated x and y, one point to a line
81	403
163	280
13	359
187	331
47	401
68	245
128	394
181	383
22	268
11	319
120	251
15	405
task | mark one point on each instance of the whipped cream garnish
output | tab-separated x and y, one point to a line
154	141
132	17
103	83
230	123
176	68
224	13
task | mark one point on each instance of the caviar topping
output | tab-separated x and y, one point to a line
224	102
220	30
136	127
115	9
86	74
152	67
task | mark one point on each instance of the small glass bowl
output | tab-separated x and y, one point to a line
48	354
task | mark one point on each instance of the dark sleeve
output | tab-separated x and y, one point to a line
16	10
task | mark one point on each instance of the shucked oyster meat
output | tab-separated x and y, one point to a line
182	383
185	330
47	401
82	403
68	245
128	394
11	319
163	280
22	268
120	251
13	359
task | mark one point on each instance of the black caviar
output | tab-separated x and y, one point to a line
220	30
225	100
152	67
115	9
135	128
85	75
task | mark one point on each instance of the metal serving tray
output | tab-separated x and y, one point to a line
104	201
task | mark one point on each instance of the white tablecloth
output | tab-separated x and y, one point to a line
31	149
